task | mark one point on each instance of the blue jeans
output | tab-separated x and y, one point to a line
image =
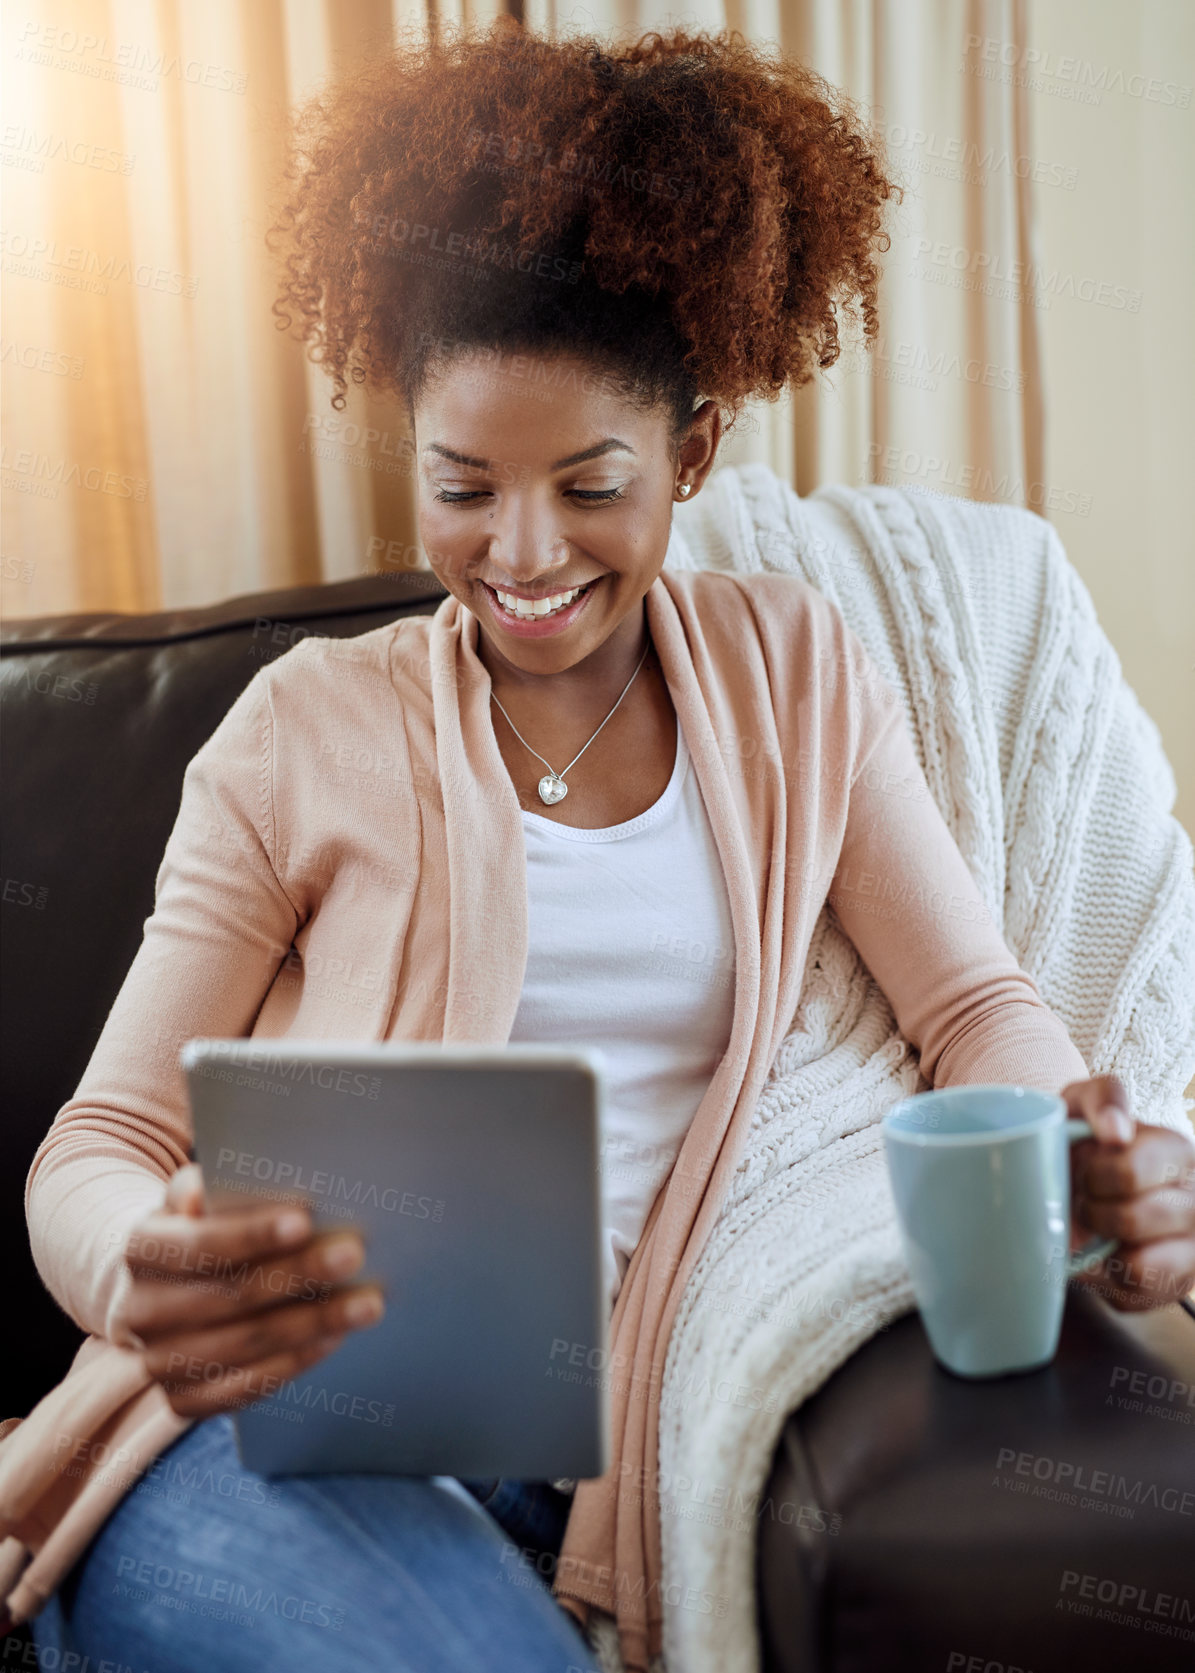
206	1566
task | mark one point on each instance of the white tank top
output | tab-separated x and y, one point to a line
631	952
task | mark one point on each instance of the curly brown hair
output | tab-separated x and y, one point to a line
688	211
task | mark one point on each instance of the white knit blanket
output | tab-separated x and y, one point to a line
1056	788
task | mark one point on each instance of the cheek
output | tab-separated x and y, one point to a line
643	552
636	534
447	550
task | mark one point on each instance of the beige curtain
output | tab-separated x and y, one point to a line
165	446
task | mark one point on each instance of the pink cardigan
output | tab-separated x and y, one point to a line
345	864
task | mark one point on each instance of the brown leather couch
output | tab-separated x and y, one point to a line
913	1522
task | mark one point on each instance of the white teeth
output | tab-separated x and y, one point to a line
529	608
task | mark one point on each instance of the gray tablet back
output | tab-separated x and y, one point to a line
473	1177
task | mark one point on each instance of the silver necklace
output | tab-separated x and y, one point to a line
552	788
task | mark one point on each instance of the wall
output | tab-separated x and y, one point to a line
1116	101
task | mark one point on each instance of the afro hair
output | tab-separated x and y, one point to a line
689	211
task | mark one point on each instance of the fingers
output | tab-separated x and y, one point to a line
1141	1192
1103	1102
1157	1157
1151	1275
170	1242
279	1336
228	1389
162	1299
228	1306
1139	1219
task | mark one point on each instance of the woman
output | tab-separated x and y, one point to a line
570	262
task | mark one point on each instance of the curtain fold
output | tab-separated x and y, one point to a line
189	450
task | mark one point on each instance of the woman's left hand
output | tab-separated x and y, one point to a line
1136	1183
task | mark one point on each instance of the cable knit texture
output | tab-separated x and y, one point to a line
1057	790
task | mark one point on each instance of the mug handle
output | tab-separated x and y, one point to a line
1096	1249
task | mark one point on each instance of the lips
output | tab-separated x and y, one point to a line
526	608
533	620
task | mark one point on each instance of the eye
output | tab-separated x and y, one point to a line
591	496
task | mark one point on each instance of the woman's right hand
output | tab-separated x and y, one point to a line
230	1305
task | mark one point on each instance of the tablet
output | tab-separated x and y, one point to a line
472	1174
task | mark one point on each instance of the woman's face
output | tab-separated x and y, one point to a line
539	484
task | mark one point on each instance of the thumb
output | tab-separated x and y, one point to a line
1103	1102
184	1190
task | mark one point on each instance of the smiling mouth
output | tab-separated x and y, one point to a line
535	609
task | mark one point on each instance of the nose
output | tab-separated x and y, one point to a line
524	544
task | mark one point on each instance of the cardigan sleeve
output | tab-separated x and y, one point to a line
221	925
903	893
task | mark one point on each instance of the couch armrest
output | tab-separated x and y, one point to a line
1036	1522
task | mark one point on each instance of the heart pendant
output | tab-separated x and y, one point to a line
552	789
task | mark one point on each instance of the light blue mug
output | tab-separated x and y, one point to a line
981	1177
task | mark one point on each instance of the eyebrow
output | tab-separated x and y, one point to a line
610	444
